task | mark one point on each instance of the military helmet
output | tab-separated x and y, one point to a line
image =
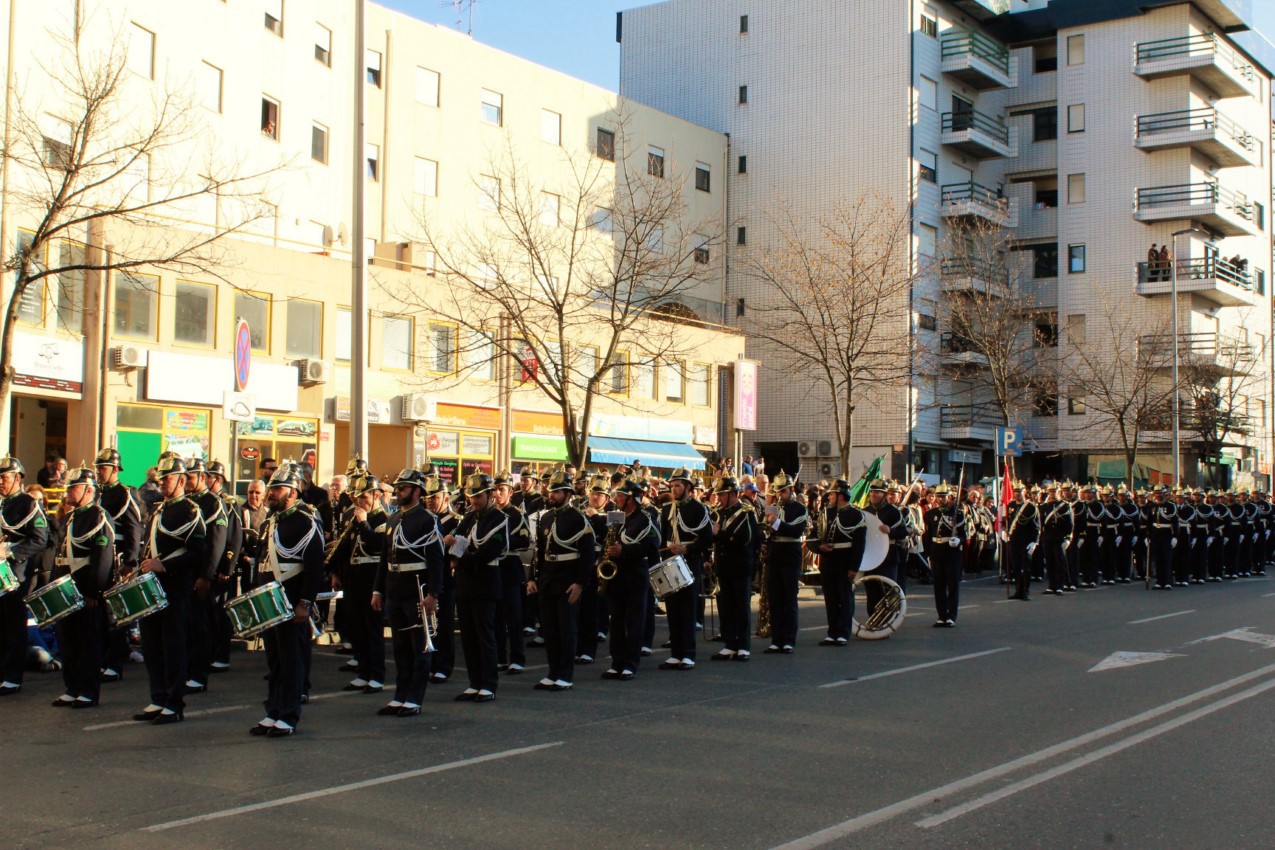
600	484
109	457
560	480
942	490
364	482
840	487
171	464
435	486
196	464
8	463
630	488
726	484
877	485
355	466
82	475
479	483
681	474
216	467
427	468
410	477
501	478
287	475
781	481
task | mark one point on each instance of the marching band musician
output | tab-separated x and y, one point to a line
530	497
1128	530
564	564
1215	521
223	631
1056	525
634	550
1249	542
510	650
945	526
686	529
486	530
840	549
201	602
1162	534
734	565
126	519
891	519
292	544
86	551
788	527
593	608
1090	524
1182	552
176	550
355	560
1021	537
1110	530
25	533
1261	547
443	658
409	581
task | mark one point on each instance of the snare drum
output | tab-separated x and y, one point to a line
54	601
259	609
8	581
669	576
136	598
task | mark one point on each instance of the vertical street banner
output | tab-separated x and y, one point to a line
746	395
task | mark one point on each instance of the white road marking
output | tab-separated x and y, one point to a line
1265	595
201	713
927	664
1244	633
1116	660
926	798
1161	617
1090	758
341	789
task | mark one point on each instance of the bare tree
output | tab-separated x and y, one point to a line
1217	375
89	160
567	275
836	307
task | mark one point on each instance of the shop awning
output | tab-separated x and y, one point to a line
611	450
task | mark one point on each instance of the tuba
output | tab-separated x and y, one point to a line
890	611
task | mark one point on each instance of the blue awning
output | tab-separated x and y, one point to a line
611	450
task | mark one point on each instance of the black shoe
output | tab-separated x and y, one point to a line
109	677
305	698
348	667
63	703
162	719
610	674
438	678
412	711
481	697
721	656
344	650
466	696
196	689
147	716
668	644
536	641
626	675
369	688
215	669
772	649
828	642
9	690
671	664
388	710
84	703
276	732
259	730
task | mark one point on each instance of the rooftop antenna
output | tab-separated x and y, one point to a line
464	11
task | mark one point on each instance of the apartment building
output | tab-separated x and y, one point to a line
143	358
1089	131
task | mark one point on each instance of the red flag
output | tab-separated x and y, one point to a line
1007	496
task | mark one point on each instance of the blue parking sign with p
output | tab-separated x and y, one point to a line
1009	441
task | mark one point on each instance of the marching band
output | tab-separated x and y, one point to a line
590	555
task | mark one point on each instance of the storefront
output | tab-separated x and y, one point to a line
144	431
537	439
44	409
280	437
462	440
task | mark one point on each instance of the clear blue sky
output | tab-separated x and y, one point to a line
577	37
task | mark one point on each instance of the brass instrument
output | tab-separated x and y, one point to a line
890	611
429	622
608	569
351	527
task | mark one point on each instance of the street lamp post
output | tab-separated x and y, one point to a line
358	250
1177	403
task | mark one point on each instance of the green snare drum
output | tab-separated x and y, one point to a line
259	609
54	601
8	581
135	598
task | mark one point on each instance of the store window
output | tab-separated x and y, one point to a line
144	431
457	454
283	438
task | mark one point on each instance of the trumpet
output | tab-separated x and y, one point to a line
429	622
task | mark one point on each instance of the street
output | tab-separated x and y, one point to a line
1113	717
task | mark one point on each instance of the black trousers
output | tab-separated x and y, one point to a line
1123	555
1020	567
1162	556
477	620
1245	565
1231	552
509	615
558	625
682	608
13	633
588	619
648	619
411	662
200	638
1089	555
361	626
1073	563
838	599
443	659
947	581
164	648
1199	556
222	630
628	613
734	597
1055	558
115	644
1216	555
80	645
285	658
783	578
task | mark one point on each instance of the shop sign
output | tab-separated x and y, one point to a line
186	420
637	428
379	410
250	453
443	442
537	422
466	416
472	445
705	435
191	379
529	447
48	363
258	426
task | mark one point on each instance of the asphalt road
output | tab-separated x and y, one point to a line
999	733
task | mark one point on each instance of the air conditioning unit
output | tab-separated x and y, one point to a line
807	448
831	469
418	407
313	371
124	357
825	448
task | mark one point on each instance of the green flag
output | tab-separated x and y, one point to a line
859	492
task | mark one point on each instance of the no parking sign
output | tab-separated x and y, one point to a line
243	354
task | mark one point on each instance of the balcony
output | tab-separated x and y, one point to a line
969	422
1217	280
1204	130
977	60
965	274
1205	57
958	353
1227	213
982	10
1226	354
978	135
974	200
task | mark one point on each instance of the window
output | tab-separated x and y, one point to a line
305	329
1259	216
397	343
929	166
137	177
194	313
606	145
743	25
617	380
701	253
1076	329
425	177
584	364
1045	403
209	86
698	378
674	382
1075	50
550	127
1044	122
323	45
56	142
929	26
1259	281
743	164
927	238
374	68
741	236
274	16
344	333
136	304
741	306
426	87
429	263
928	93
1076	118
1076	403
703	177
480	356
372	153
1045	260
655	240
549	209
493	107
31	304
141	51
270	118
655	161
602	220
255	310
70	289
643	371
1045	334
1075	259
743	94
528	362
1045	58
488	193
926	322
1075	188
319	143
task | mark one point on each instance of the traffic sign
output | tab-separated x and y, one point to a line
243	354
1009	441
238	407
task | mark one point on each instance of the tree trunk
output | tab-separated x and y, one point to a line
6	354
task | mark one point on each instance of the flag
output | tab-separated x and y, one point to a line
1007	496
859	492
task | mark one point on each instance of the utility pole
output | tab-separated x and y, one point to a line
358	252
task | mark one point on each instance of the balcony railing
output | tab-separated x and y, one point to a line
1209	193
965	42
950	343
1203	268
969	416
1203	44
968	268
977	192
1190	120
1206	345
956	122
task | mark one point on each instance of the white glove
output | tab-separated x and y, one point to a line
1079	543
954	542
1192	541
1004	536
1225	540
1066	544
1099	541
1254	536
1135	542
1118	539
1174	543
1031	547
1208	541
1268	534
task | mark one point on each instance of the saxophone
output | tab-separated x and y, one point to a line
607	569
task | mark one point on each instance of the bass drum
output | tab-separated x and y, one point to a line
890	612
876	545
